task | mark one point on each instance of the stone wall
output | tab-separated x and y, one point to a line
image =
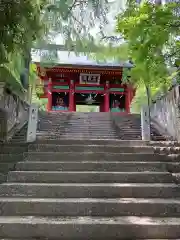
13	113
165	114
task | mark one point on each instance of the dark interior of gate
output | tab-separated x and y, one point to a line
67	86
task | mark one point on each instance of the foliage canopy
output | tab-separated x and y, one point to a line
151	32
20	24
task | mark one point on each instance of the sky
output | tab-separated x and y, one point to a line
67	57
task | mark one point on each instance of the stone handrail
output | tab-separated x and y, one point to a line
164	115
13	113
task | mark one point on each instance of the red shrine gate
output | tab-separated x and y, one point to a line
66	86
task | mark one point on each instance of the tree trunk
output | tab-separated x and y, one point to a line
27	62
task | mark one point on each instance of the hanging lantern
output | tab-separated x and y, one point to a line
90	100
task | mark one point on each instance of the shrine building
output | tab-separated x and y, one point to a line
68	85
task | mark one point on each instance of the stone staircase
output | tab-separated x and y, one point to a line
20	136
88	126
128	127
76	125
12	152
79	181
93	189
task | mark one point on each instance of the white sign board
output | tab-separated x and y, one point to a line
89	78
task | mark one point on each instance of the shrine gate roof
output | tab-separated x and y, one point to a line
71	60
89	65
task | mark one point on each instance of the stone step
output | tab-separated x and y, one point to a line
13	149
164	143
77	119
13	145
100	156
84	134
101	148
130	137
82	137
90	207
173	168
5	167
84	130
53	239
74	131
3	177
176	177
89	134
65	136
89	177
93	166
89	148
77	131
19	138
83	126
116	142
79	125
8	157
92	190
85	122
127	227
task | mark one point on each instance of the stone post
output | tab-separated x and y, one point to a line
145	125
32	123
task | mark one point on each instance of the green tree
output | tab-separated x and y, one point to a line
149	30
78	22
111	53
20	25
151	39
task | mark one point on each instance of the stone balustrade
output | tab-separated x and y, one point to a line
13	112
164	115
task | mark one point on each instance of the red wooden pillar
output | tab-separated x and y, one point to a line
127	100
74	105
49	105
101	107
71	96
106	97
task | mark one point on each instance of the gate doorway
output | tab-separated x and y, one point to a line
87	108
